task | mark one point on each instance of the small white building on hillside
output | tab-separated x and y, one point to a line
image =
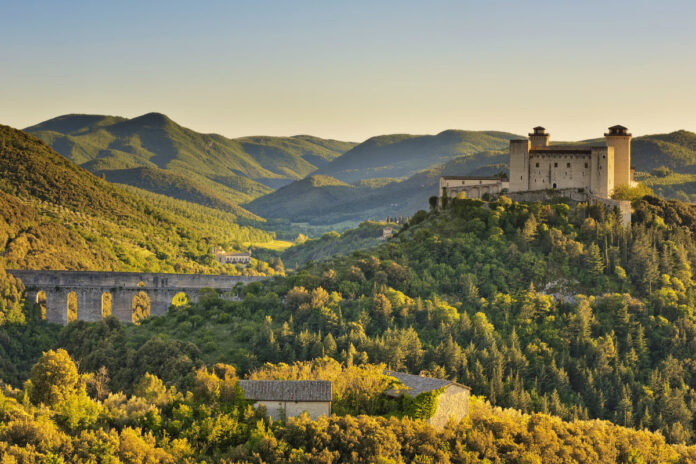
452	403
290	398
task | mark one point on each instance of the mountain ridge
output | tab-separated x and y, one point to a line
241	169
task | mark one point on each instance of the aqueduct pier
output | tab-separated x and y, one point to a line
90	289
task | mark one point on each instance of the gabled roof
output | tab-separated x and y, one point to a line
417	384
287	390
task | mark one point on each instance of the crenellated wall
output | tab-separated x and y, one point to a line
90	286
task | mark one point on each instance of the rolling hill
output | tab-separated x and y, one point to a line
239	169
402	155
326	200
56	215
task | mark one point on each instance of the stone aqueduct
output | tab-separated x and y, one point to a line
89	287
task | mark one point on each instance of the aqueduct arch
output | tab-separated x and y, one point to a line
90	289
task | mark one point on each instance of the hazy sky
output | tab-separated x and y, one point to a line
352	69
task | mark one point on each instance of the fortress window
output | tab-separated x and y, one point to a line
555	165
537	165
567	165
586	165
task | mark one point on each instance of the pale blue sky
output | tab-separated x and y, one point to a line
353	69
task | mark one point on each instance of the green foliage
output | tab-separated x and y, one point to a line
422	406
203	424
11	300
625	192
53	378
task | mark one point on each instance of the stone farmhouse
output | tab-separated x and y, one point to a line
453	402
535	165
290	398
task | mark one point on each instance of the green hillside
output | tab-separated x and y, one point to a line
676	150
175	185
239	169
550	309
403	155
325	200
56	215
367	235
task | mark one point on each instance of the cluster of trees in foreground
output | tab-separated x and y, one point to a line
62	415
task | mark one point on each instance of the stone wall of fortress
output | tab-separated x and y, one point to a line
576	195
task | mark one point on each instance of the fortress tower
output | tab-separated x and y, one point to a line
619	138
597	170
539	138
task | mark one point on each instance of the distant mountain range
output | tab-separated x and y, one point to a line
239	170
320	199
309	179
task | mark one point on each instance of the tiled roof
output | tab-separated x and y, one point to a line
417	384
286	390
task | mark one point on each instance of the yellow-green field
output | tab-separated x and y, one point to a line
277	245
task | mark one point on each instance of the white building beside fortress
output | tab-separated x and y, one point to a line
535	165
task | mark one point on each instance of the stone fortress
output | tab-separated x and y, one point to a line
591	172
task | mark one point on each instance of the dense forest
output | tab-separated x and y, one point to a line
551	309
64	415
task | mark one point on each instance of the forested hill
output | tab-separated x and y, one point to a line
676	150
56	215
325	200
403	155
552	308
241	169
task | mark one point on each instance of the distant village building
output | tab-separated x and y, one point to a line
223	257
453	402
387	233
290	398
